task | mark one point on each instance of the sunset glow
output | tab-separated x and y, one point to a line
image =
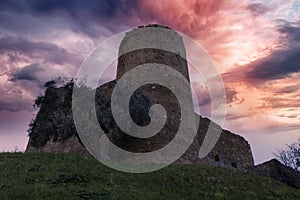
255	45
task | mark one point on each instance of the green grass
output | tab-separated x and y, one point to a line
61	176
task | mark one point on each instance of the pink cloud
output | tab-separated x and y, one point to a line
227	30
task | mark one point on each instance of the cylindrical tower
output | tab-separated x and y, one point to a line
152	44
143	45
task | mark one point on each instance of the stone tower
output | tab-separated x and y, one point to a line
144	45
151	44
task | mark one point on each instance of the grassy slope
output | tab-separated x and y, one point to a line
58	176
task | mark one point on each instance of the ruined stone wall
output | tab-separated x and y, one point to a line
53	127
54	122
70	145
231	150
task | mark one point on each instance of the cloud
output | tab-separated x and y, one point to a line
101	8
231	96
190	17
88	17
47	52
16	97
44	39
21	85
291	29
37	73
288	89
276	66
96	8
279	64
28	73
232	116
257	9
204	98
280	102
202	93
227	30
25	66
195	16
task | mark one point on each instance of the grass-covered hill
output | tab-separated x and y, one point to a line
65	176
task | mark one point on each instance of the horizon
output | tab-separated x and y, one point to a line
254	44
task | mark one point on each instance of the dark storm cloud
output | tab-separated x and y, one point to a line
24	85
46	51
33	77
27	73
276	66
279	64
80	16
96	8
292	29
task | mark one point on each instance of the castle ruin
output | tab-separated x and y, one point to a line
53	129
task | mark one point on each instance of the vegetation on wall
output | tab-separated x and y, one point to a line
54	119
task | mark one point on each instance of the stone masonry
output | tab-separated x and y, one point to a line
53	129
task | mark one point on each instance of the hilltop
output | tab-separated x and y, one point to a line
67	176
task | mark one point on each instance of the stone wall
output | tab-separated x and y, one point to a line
276	170
53	127
70	145
54	124
231	150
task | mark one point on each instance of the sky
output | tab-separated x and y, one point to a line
254	44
